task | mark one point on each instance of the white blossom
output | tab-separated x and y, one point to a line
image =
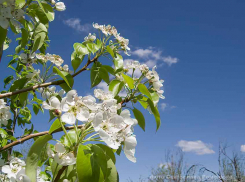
62	157
5	115
60	6
13	168
90	38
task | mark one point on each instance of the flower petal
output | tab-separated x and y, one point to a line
68	118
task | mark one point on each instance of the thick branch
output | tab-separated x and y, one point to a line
28	137
8	94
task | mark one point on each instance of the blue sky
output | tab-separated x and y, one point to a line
204	90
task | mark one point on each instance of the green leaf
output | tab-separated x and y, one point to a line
104	74
92	47
140	118
118	61
24	36
80	49
88	168
98	43
95	74
73	138
20	3
108	151
7	80
65	75
129	81
56	125
143	102
3	133
35	108
155	111
34	155
48	10
108	48
115	87
39	36
109	69
3	33
144	90
65	87
23	98
112	174
76	63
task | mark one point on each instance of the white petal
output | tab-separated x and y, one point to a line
97	121
108	140
68	118
54	102
130	142
70	97
6	169
83	114
64	106
130	154
46	106
60	148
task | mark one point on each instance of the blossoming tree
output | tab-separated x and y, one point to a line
94	128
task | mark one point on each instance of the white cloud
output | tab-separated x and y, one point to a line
163	106
103	86
75	23
197	147
170	60
153	56
242	148
151	63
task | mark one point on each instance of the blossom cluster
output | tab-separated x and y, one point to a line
151	75
60	155
15	171
111	30
113	128
9	13
5	114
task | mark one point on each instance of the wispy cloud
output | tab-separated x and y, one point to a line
164	106
198	147
170	60
75	23
242	148
153	56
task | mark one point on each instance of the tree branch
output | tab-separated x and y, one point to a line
8	94
28	137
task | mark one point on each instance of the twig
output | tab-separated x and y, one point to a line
28	137
8	94
60	173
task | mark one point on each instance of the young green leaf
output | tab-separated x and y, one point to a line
76	63
56	125
155	112
115	87
104	74
140	118
144	90
118	61
88	168
109	69
39	36
95	74
108	48
129	81
34	155
24	39
80	49
65	75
